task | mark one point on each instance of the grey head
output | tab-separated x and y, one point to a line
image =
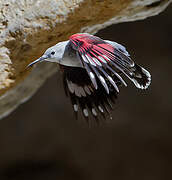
52	54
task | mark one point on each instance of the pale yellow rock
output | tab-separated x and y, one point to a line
28	27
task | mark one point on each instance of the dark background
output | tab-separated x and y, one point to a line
42	140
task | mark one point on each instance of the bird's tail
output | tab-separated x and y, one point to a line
140	77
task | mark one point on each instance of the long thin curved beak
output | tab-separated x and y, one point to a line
37	61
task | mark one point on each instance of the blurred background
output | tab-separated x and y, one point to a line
42	140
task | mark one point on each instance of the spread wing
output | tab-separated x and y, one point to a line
101	56
83	95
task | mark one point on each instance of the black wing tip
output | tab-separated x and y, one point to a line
142	78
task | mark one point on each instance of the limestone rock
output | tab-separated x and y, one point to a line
29	27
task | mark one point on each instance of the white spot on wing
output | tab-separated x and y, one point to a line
104	83
100	108
77	92
85	111
113	83
70	86
146	72
92	75
82	92
94	112
93	80
84	58
90	60
102	79
75	107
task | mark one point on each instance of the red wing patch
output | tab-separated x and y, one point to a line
101	59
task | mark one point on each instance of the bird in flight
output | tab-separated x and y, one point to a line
93	71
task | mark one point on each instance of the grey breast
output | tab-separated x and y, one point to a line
70	57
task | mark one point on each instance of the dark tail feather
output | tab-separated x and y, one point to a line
140	77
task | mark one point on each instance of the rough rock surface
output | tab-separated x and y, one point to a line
28	27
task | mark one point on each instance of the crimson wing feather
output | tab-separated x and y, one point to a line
103	58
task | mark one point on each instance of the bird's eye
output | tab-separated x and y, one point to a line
53	52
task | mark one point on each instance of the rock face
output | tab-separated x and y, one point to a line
29	27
